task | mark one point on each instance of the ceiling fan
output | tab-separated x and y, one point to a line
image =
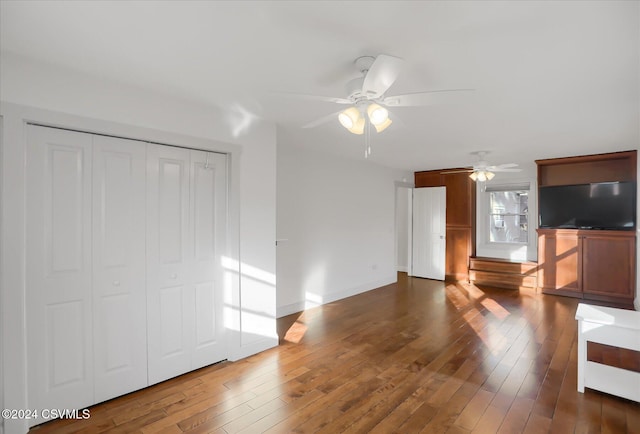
366	96
482	171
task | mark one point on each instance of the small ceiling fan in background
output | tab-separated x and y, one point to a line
366	96
482	171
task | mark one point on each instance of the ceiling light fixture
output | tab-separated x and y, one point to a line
383	126
353	118
482	175
377	114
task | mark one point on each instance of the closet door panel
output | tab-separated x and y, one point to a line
208	229
58	258
169	297
119	189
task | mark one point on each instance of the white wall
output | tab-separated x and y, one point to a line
518	252
60	97
337	217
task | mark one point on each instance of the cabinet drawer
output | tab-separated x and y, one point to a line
480	264
502	280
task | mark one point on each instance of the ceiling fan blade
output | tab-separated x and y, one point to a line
381	75
306	97
322	120
457	171
506	165
499	169
419	98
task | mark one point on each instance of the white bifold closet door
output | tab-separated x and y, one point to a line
119	279
86	305
58	275
186	227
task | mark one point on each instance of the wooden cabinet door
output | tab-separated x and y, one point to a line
458	253
559	253
460	199
608	265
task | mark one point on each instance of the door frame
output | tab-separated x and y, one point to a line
402	187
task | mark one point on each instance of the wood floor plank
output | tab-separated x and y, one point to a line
473	411
537	424
447	414
280	421
490	420
516	418
613	416
416	356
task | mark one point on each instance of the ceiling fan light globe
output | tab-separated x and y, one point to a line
378	115
482	176
358	127
349	117
474	176
490	175
345	120
383	126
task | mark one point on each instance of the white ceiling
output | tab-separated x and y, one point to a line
551	78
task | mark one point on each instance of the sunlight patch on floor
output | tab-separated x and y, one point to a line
495	308
295	333
457	297
490	335
474	291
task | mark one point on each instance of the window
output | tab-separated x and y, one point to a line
508	214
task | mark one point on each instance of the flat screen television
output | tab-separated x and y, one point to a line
605	205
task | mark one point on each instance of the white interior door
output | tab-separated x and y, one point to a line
119	285
170	300
58	278
208	199
428	249
186	229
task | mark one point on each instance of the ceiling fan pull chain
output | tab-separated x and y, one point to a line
367	140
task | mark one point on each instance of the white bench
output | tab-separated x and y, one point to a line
609	326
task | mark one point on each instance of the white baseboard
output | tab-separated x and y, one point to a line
289	309
240	352
301	305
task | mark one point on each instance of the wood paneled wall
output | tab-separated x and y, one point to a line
461	216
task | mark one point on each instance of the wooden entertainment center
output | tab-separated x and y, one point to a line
596	265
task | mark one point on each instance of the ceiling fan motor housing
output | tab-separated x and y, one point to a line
354	87
354	90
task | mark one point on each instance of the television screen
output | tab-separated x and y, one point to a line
605	205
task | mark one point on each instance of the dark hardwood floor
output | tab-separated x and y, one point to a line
416	356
